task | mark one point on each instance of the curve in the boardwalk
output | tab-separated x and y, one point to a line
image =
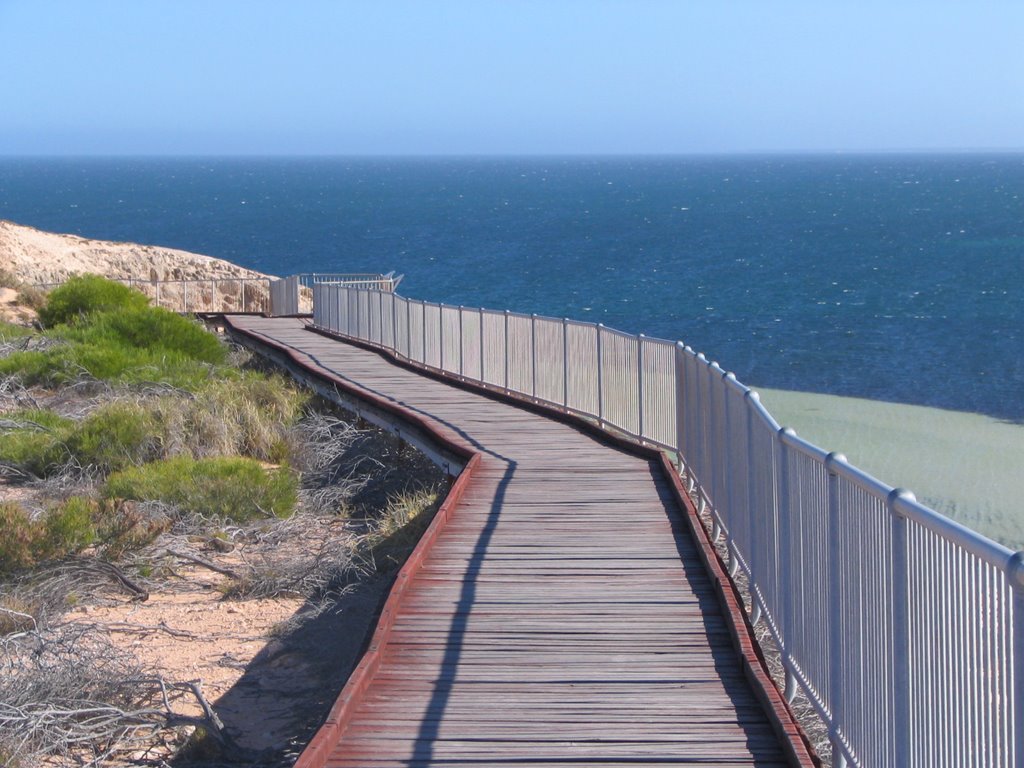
564	607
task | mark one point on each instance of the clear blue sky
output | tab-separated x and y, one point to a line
521	76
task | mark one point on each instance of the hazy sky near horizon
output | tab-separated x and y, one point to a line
526	77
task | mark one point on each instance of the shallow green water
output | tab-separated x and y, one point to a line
964	465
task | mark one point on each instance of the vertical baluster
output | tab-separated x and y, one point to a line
600	378
900	627
462	341
508	352
681	390
565	362
482	377
640	387
837	661
753	508
533	356
786	576
440	332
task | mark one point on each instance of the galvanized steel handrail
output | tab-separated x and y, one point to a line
210	294
275	296
902	627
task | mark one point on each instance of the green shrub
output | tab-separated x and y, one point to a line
234	488
67	528
148	328
111	437
115	436
87	294
249	416
36	449
20	539
122	526
32	297
8	279
10	331
64	530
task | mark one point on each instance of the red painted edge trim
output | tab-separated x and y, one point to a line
755	668
317	752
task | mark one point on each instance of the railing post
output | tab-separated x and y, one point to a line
213	296
640	387
725	440
507	352
681	389
158	294
184	295
709	466
786	586
423	316
533	356
753	561
482	378
1016	574
900	628
835	612
462	339
394	323
440	335
380	324
565	362
408	329
600	378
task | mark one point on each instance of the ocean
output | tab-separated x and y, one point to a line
895	278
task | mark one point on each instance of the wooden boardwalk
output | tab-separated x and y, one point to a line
563	614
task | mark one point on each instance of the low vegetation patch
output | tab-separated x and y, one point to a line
87	295
231	488
135	445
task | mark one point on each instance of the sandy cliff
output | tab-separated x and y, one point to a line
45	257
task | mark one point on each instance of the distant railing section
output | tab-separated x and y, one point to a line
259	295
902	627
368	280
232	295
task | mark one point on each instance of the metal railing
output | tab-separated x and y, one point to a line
902	627
370	280
267	295
221	294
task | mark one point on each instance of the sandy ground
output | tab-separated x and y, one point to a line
11	311
45	257
192	633
964	465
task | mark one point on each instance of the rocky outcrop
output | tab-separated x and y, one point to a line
38	257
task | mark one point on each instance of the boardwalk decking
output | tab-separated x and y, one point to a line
563	614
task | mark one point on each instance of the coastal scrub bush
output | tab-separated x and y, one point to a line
115	436
31	297
252	415
19	541
402	522
144	346
233	488
34	440
11	332
85	294
63	530
110	438
148	328
67	528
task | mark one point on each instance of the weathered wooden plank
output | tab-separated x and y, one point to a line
563	614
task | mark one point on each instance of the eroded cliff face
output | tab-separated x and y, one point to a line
34	257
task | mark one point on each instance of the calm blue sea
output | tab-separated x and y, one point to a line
890	277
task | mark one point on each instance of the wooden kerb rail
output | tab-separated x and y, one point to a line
267	333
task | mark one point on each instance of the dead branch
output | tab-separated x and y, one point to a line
204	563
